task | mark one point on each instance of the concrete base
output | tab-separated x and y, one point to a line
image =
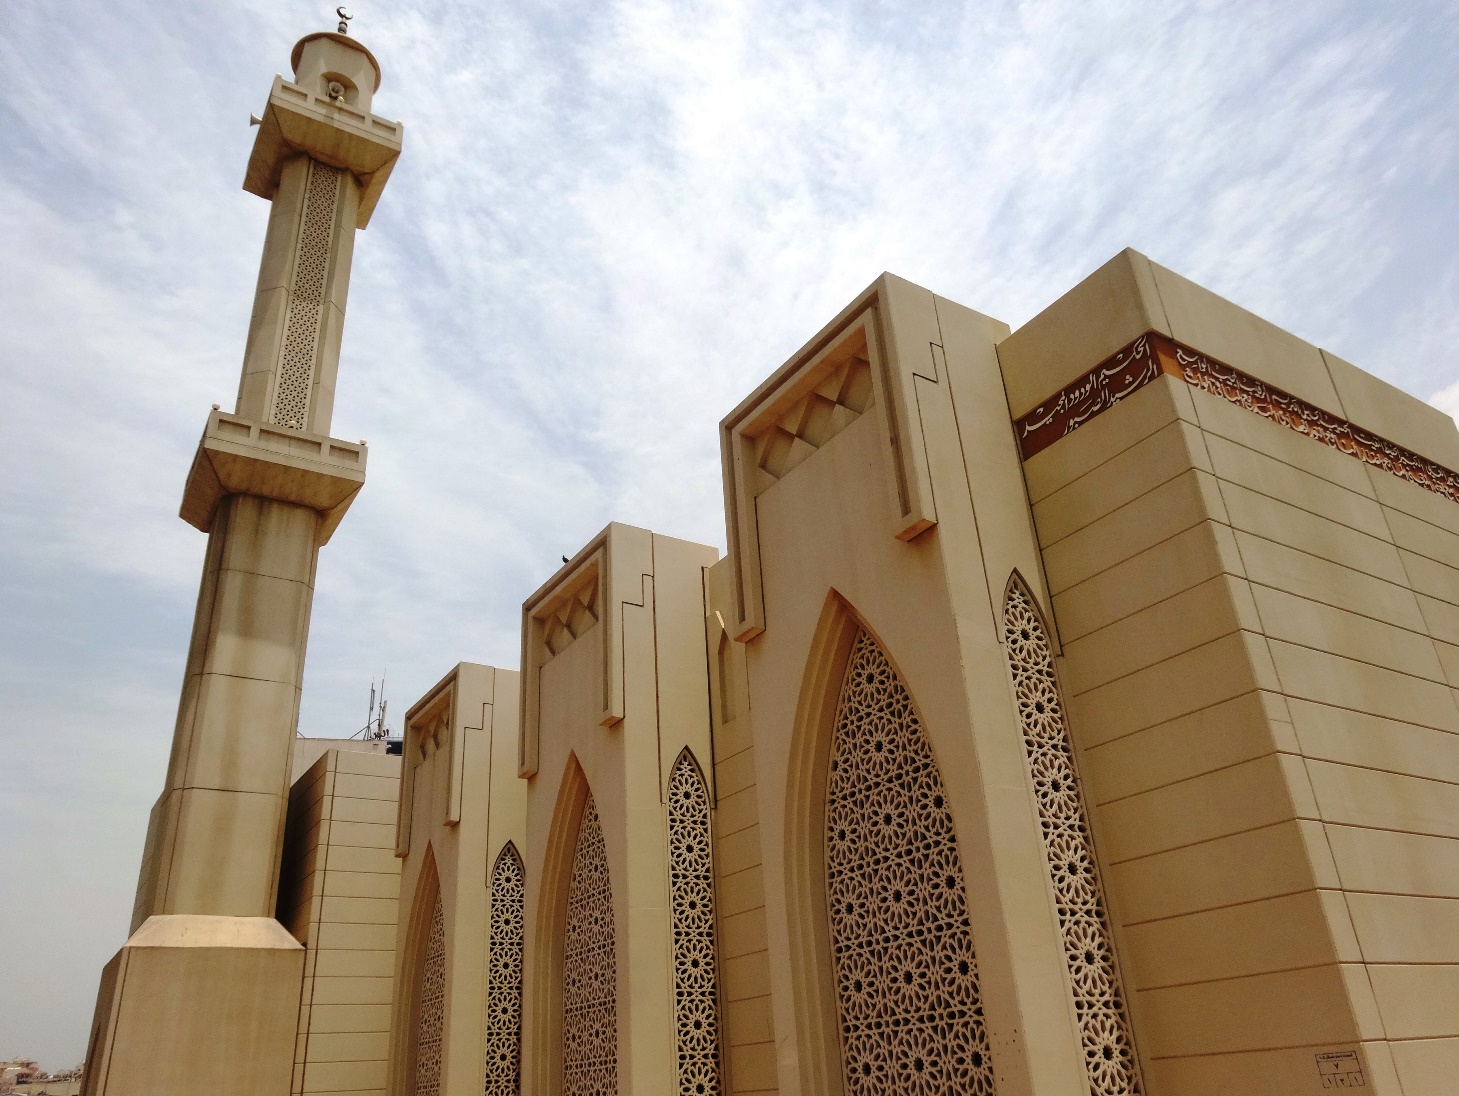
196	1004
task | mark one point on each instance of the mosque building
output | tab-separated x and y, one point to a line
1074	713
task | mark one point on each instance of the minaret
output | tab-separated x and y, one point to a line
209	980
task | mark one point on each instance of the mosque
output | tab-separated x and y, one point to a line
1074	713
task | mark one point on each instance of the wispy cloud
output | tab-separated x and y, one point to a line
610	222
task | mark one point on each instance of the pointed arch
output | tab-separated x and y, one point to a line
504	975
831	1036
907	989
589	968
692	912
1099	1001
421	1036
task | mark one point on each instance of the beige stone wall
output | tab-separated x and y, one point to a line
1256	631
339	895
460	802
615	688
904	516
744	940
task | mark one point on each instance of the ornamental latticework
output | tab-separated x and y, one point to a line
306	298
431	1011
906	977
504	977
589	978
1104	1028
691	901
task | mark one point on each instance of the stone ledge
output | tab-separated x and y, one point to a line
238	456
296	121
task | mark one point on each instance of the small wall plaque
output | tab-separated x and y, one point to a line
1340	1069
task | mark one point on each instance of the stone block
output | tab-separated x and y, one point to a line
1104	437
1328	678
1350	635
1404	928
1171	508
1282	933
1309	1007
1234	424
1192	618
199	1004
1426	1065
1216	804
351	991
1319	536
1357	738
359	884
1214	326
1254	864
354	964
241	829
1393	414
324	1018
1417	1001
1214	672
1394	862
1105	312
1299	573
1159	572
1121	479
1355	796
1216	737
1279	480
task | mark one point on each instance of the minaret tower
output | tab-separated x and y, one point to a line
208	984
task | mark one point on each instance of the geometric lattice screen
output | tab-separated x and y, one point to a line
1109	1050
907	996
431	1011
691	903
504	976
589	977
295	378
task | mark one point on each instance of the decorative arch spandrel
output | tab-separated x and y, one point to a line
1098	997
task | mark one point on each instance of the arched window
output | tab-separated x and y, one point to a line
504	976
691	904
589	975
431	1006
902	946
1109	1049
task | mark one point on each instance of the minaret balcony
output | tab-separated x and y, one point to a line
330	130
239	456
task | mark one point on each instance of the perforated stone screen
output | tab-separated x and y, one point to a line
589	978
306	298
504	976
431	1011
696	961
1109	1046
906	976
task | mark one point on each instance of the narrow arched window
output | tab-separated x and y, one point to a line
907	996
431	1007
691	904
1104	1027
589	974
504	976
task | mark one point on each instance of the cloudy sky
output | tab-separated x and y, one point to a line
611	220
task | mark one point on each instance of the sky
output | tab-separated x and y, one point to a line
611	220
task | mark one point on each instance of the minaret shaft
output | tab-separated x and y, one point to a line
215	835
204	996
